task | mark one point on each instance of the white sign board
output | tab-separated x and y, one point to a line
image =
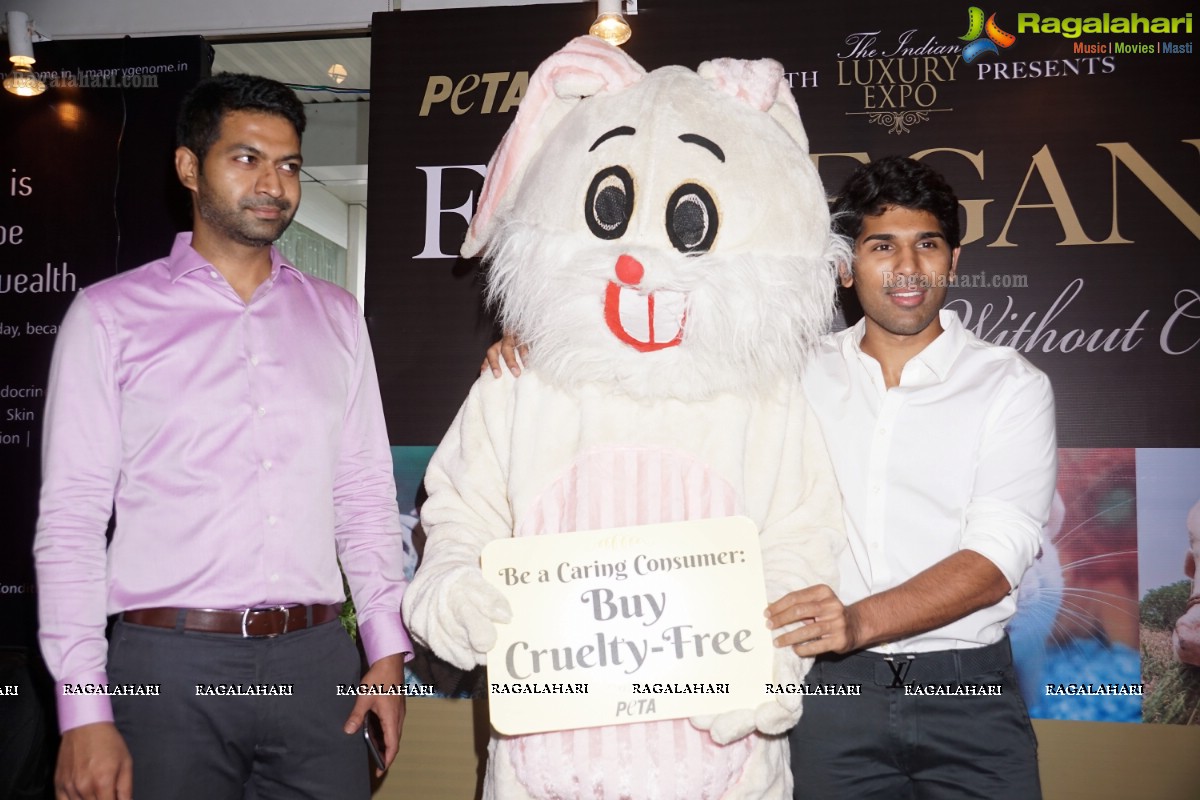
628	625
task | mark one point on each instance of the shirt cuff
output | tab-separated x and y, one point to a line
81	700
383	635
1007	538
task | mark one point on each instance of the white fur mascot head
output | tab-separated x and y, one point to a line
664	233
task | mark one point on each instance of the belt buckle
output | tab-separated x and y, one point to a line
899	669
248	611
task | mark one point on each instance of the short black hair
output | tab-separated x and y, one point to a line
206	105
895	181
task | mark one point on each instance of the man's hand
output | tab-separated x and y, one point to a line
506	350
93	764
826	626
954	587
388	671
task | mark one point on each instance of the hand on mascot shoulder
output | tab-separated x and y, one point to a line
507	352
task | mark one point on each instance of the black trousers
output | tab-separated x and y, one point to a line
906	736
190	745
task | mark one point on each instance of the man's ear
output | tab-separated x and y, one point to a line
187	167
845	276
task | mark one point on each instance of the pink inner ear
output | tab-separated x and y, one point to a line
759	84
586	66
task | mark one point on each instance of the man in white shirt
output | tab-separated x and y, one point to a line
944	449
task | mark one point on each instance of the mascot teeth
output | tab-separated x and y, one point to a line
646	322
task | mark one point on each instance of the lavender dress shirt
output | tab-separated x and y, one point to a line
242	446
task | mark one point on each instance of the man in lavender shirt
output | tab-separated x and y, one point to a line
224	408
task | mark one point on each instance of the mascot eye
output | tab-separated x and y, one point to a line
609	203
691	219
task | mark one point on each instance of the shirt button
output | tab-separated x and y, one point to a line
262	412
274	577
267	464
271	520
214	275
875	489
254	361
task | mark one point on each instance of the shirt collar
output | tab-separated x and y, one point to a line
184	259
937	356
941	353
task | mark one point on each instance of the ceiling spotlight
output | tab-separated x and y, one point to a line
610	25
21	81
337	73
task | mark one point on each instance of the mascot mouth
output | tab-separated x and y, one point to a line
645	322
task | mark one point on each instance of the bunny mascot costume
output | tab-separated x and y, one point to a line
661	241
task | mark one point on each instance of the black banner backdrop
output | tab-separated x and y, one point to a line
1079	175
1075	150
87	188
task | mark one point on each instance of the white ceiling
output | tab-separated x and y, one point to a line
303	62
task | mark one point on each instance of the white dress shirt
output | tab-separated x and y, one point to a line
960	455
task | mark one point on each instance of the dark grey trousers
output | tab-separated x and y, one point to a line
190	747
889	743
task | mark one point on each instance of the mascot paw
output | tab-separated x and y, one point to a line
727	727
476	607
777	716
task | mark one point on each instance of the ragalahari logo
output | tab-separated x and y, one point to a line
976	27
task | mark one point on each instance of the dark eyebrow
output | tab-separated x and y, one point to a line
254	151
887	237
707	144
624	130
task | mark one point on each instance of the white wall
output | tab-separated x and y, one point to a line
91	19
78	19
425	5
336	133
322	212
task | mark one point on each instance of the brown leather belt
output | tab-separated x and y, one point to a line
246	622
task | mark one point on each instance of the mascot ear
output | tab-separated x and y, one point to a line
586	66
761	85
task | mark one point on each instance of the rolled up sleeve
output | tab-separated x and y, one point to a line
1016	476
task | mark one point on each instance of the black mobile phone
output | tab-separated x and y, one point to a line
373	734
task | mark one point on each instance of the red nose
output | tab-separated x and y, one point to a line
629	271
